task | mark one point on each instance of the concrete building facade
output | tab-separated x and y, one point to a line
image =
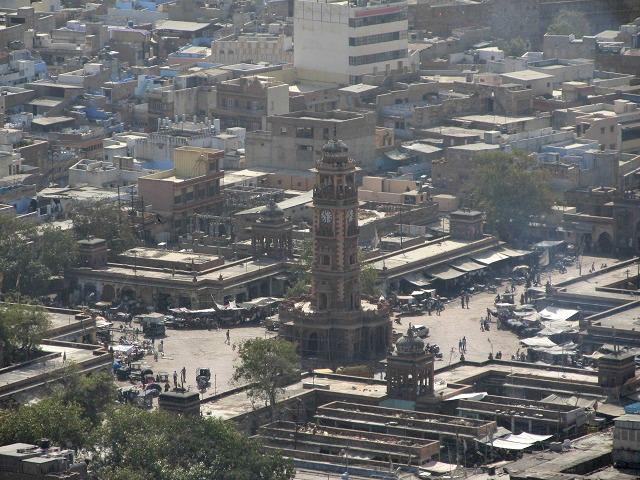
343	40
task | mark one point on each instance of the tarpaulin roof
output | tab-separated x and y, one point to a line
489	257
549	243
513	252
467	265
469	396
446	273
520	441
416	279
555	313
537	342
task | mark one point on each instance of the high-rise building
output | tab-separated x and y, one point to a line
340	41
336	324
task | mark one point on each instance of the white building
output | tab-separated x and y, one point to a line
340	41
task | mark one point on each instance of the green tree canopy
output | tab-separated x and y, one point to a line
135	444
302	272
510	190
31	255
22	327
94	393
570	22
104	219
264	364
515	47
51	418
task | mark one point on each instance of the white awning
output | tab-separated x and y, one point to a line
513	252
555	313
446	273
537	342
520	441
416	279
489	257
467	265
468	396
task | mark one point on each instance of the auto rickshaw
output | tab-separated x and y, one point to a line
203	377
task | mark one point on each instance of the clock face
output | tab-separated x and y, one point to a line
351	216
326	216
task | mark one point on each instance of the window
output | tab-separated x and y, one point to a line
213	166
326	260
377	57
378	19
305	148
612	128
379	38
304	132
283	130
602	131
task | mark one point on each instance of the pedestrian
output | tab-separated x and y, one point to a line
161	349
466	299
464	343
462	300
64	357
155	355
459	345
522	299
183	373
175	379
228	341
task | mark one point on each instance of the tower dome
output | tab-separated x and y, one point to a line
410	344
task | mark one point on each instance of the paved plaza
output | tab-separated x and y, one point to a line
207	348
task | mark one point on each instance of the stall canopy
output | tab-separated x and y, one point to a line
467	265
549	244
519	442
513	252
489	258
446	273
537	342
468	396
555	313
416	279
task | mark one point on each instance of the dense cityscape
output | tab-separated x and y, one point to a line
319	239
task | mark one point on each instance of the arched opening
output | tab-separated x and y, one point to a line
585	242
322	301
605	243
312	344
108	293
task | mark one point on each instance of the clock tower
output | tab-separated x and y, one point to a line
335	323
335	281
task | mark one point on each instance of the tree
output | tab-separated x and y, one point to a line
104	219
51	418
135	444
264	364
570	22
510	191
302	272
30	255
94	393
515	47
22	327
369	280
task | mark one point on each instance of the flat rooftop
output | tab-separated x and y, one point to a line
239	403
526	75
169	255
440	251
